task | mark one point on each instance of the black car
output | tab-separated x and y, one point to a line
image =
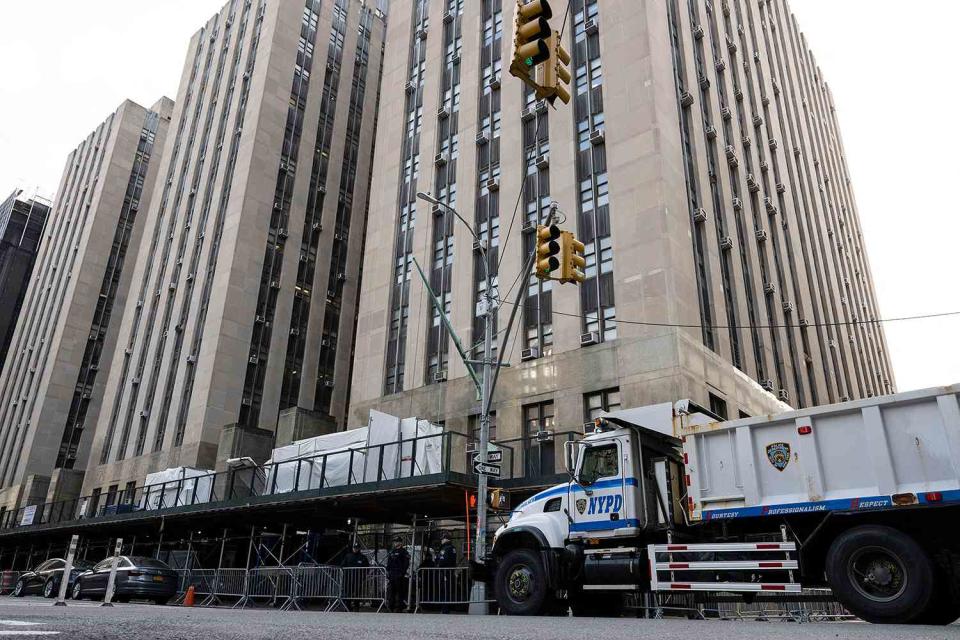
137	578
46	578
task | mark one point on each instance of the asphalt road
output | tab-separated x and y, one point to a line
35	617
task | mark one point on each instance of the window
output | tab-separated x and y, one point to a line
538	419
600	402
553	505
104	565
718	406
600	462
475	426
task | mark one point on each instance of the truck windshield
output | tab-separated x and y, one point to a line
599	462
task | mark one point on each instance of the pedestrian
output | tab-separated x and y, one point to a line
353	578
447	559
398	561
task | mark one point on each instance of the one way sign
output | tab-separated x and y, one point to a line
492	470
492	456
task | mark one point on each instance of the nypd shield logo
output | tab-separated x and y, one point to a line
581	505
778	454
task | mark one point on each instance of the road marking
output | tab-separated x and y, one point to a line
19	623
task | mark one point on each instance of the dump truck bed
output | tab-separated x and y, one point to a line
876	453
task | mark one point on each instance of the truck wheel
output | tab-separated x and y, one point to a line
944	607
880	574
521	584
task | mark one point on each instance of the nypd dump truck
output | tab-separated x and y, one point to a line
861	497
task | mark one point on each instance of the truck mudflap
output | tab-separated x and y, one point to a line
690	567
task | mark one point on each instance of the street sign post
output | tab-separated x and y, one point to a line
481	469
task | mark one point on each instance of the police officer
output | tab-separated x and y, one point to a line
398	561
353	580
446	559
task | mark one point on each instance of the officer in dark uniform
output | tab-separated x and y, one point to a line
447	559
353	580
398	561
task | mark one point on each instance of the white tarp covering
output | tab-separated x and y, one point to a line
176	487
332	458
367	454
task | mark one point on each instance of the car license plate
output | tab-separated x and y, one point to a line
158	578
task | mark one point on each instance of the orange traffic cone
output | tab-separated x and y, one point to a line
188	599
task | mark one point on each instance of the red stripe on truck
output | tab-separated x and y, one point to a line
679	565
773	587
771	565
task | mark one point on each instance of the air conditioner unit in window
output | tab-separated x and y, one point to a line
764	167
737	204
788	307
543	161
773	144
494	82
711	132
726	243
448	16
757	120
253	359
274	284
768	203
804	322
85	395
747	141
731	46
597	137
135	381
765	101
440	159
700	216
440	376
471	447
721	65
761	235
730	151
686	99
295	331
541	106
767	385
529	226
784	395
589	338
769	288
341	277
704	82
698	32
144	414
443	113
482	139
329	384
191	359
528	114
316	226
726	113
591	27
246	402
437	210
422	34
282	233
530	354
477	246
752	183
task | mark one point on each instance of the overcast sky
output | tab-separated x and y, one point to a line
64	65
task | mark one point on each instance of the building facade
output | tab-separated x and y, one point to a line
244	293
701	164
22	221
52	384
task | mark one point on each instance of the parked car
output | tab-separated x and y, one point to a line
46	578
137	578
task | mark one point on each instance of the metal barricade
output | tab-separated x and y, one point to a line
321	583
203	582
363	585
444	587
276	585
228	583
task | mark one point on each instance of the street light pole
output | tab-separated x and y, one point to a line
479	596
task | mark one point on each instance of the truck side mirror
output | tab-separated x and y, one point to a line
570	456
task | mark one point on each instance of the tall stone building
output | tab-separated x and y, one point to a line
52	384
22	221
701	164
245	288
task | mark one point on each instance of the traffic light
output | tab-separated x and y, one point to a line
548	251
571	257
531	39
556	72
